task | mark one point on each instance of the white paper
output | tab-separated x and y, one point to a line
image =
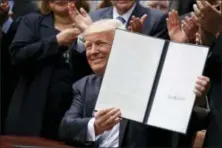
175	95
130	73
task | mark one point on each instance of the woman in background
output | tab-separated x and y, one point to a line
40	50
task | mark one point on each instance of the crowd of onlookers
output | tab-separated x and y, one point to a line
54	54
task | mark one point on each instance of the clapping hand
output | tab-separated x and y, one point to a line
208	16
67	36
81	19
136	24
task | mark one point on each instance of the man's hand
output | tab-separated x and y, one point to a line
173	25
136	24
208	16
81	19
202	86
67	36
4	12
204	37
190	27
106	119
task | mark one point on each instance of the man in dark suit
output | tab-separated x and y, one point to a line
105	128
154	25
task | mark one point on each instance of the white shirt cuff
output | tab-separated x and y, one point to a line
91	136
7	25
80	45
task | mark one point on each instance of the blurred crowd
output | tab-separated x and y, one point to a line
54	54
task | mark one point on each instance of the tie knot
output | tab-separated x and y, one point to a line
121	19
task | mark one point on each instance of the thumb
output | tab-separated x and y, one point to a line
83	12
143	18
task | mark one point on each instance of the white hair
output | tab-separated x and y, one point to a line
104	25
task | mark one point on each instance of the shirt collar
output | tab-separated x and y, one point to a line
126	15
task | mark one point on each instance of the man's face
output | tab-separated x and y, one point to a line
123	5
98	46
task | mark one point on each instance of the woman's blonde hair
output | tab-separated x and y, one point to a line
45	9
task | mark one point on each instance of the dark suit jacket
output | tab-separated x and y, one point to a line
154	25
213	70
182	6
37	106
73	127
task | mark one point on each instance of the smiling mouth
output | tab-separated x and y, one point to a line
97	60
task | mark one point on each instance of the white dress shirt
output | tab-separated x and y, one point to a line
126	15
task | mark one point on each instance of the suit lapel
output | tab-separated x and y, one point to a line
122	130
92	95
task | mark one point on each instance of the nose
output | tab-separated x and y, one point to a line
94	49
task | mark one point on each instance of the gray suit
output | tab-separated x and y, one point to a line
73	127
155	24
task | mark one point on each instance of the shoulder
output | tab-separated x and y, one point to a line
95	15
81	84
30	20
100	11
32	16
152	13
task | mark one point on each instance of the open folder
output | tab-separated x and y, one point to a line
152	80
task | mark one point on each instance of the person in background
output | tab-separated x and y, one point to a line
9	21
129	11
104	128
104	4
40	50
159	5
182	6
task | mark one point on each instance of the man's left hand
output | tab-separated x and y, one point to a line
202	86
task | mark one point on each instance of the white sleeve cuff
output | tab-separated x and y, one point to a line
80	44
91	136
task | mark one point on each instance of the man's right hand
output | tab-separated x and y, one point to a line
67	36
106	119
4	10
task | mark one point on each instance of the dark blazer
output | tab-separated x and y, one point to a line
73	127
154	25
182	6
213	70
44	91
